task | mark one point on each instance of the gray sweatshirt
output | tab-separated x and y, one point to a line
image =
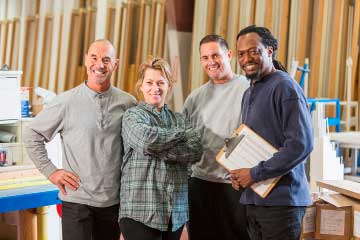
215	110
89	124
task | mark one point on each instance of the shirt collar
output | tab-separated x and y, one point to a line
264	78
95	94
152	108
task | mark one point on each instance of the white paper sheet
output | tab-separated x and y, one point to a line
332	222
357	223
309	220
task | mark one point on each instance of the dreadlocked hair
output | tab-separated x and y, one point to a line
267	39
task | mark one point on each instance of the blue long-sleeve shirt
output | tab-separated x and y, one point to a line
275	107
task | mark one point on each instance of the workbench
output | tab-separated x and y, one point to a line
28	197
31	203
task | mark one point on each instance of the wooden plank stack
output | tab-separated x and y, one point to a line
326	32
47	39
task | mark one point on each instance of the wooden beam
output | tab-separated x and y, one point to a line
29	51
161	35
127	43
323	59
44	79
102	24
253	12
3	40
152	28
210	17
117	40
122	70
344	56
233	30
316	47
260	12
268	14
65	43
355	44
284	31
156	29
224	18
75	43
293	36
333	71
140	37
10	46
55	46
301	43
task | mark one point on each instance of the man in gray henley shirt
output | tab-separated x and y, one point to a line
88	119
214	109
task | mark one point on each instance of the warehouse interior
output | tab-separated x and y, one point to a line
43	43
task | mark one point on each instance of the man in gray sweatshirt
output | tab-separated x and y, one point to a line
215	110
88	119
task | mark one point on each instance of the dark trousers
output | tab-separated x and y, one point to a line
276	223
134	230
215	212
84	222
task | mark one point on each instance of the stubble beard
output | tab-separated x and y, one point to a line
253	76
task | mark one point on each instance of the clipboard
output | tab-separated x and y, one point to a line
246	149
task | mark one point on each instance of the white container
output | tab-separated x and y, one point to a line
10	100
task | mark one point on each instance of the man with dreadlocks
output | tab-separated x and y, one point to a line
275	107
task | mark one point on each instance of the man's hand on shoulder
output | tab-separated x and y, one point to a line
62	178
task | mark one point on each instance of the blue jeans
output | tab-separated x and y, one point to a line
265	223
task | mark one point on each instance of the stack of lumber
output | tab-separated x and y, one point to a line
326	32
48	39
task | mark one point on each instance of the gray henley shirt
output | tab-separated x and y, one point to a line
215	111
89	124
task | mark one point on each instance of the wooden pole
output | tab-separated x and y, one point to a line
333	71
355	44
268	14
117	37
3	40
344	44
33	55
210	17
161	36
284	31
224	18
152	28
140	37
316	47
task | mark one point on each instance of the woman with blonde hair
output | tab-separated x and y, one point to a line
159	145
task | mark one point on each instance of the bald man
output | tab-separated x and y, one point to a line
88	119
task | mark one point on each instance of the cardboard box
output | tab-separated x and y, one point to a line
356	222
333	223
309	220
309	223
348	199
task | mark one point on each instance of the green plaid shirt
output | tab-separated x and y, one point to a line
158	147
